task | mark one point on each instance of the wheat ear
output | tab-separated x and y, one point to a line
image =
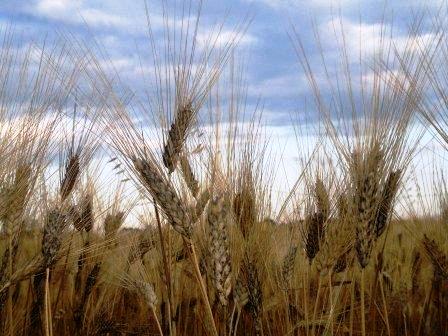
219	246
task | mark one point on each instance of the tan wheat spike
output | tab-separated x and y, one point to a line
385	207
70	175
322	198
438	259
52	240
112	224
240	293
366	208
201	203
288	266
219	248
165	197
176	136
188	175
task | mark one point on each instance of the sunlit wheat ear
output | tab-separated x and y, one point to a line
52	237
385	207
147	291
288	267
82	216
70	176
165	197
366	210
13	198
438	259
188	175
176	136
343	207
201	203
240	293
138	250
112	224
244	208
218	210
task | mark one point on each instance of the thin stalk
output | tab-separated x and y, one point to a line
352	304
331	303
236	323
62	282
11	327
383	297
159	327
165	268
194	259
425	309
47	303
305	297
316	304
363	316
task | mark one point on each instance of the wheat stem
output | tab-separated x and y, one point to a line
166	267
316	304
194	258
363	317
383	297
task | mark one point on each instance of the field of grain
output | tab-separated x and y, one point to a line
185	234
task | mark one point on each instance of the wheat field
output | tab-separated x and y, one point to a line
159	216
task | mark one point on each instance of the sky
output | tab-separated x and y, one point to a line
272	72
271	66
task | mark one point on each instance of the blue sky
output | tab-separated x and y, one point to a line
272	71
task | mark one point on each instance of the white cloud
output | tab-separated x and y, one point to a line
282	86
209	37
77	12
366	39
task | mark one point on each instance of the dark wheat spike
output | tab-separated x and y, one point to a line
165	196
366	198
415	271
288	266
315	235
255	302
385	207
176	137
437	257
341	263
91	281
51	240
188	175
70	175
